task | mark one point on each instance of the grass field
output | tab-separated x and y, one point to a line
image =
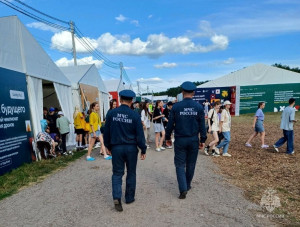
255	169
28	174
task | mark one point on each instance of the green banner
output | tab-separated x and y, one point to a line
276	97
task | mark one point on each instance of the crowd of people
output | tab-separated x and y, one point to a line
219	125
89	128
127	128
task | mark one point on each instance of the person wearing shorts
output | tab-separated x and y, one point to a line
159	129
95	132
258	126
79	125
213	128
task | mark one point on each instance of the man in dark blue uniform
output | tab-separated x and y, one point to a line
188	119
123	133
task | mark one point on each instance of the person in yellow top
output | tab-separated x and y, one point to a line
79	123
95	132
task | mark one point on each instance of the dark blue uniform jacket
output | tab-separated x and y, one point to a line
123	126
188	119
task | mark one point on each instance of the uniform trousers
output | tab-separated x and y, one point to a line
186	154
124	155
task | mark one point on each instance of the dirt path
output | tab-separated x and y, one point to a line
80	195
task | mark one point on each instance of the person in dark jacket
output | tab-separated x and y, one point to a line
188	120
122	135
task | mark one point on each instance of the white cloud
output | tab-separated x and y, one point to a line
135	22
150	16
154	46
153	80
82	61
229	61
63	41
42	26
259	23
129	67
165	65
157	45
121	18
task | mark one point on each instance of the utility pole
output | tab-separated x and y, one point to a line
138	85
73	42
121	69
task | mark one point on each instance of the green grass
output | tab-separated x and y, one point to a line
27	174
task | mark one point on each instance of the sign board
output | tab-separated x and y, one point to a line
276	97
15	124
216	94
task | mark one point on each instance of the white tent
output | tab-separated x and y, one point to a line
128	87
258	83
258	74
20	52
88	75
114	85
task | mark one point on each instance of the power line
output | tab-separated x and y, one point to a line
81	38
25	12
54	18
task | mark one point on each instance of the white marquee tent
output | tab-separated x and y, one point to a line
20	52
280	84
258	74
115	85
88	75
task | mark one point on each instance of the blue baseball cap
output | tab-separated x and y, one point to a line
127	94
51	109
188	86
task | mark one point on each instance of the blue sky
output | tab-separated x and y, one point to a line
163	43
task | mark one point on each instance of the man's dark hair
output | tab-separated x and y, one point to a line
169	104
126	99
45	108
292	100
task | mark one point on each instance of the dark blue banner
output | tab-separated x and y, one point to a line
15	123
216	94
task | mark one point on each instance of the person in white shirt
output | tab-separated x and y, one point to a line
225	125
145	117
213	128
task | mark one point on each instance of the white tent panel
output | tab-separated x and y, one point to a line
35	95
64	96
258	74
88	75
19	51
114	85
76	100
106	103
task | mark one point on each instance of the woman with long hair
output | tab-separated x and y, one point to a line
95	133
213	128
258	126
146	121
112	104
158	126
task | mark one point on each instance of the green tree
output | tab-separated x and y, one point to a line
174	91
286	67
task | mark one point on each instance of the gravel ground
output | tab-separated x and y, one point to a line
80	195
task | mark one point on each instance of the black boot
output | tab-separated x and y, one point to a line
118	205
182	195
